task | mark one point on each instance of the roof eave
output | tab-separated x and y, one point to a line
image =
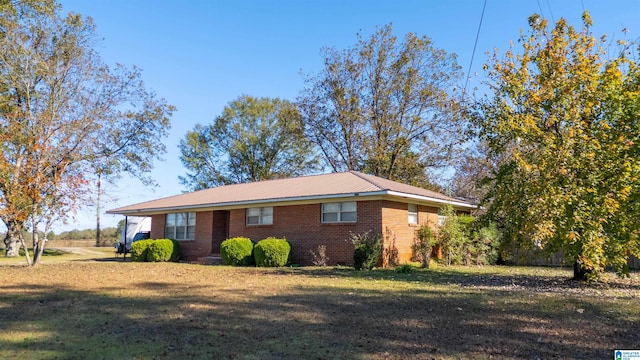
236	204
453	203
300	199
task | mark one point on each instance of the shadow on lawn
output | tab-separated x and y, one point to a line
309	321
444	276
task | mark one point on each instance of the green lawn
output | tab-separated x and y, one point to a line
106	309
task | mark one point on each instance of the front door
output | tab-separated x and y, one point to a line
220	231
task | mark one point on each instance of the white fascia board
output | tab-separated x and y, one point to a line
431	199
372	195
243	204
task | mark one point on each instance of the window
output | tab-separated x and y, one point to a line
442	220
260	216
413	214
339	212
181	226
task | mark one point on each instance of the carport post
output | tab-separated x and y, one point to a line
126	225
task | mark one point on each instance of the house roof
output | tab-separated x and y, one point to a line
299	189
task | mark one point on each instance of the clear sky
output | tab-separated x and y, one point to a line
201	54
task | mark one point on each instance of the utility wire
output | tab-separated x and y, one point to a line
473	53
551	12
540	8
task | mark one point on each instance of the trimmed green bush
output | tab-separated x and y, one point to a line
237	251
162	250
155	250
139	250
272	252
175	255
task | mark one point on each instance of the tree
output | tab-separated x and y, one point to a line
120	228
452	236
425	240
472	167
63	113
253	139
564	120
384	107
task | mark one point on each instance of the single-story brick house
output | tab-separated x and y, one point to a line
308	211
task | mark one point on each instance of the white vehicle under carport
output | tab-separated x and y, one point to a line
136	228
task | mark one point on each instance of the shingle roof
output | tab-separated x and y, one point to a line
325	186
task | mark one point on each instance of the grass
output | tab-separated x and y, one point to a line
65	254
114	309
45	252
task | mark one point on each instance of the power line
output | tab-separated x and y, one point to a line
550	12
540	8
473	53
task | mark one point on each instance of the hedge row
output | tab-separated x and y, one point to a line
155	250
269	252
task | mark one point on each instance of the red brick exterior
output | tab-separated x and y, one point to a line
189	249
301	225
399	236
157	226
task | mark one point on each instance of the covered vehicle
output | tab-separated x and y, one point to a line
136	228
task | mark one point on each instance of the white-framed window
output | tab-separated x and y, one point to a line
413	213
260	216
339	212
181	226
442	220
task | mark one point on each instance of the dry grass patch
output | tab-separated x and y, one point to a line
167	311
64	254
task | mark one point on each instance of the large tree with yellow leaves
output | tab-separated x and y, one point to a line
563	116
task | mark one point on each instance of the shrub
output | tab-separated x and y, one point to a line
175	255
423	245
453	238
163	250
464	241
237	251
404	269
272	252
367	251
320	257
155	250
139	250
487	239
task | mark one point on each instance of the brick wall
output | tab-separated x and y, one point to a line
301	225
399	235
189	249
157	226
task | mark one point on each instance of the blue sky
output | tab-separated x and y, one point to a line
199	55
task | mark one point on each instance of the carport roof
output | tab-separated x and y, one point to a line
305	188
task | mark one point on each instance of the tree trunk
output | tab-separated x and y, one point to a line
12	239
35	237
580	272
38	249
425	258
98	214
26	250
